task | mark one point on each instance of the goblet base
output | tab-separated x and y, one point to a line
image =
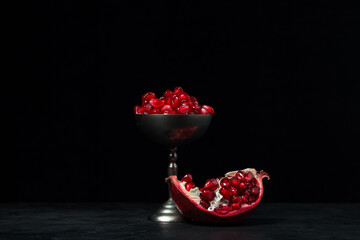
167	213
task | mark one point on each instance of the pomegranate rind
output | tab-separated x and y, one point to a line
191	209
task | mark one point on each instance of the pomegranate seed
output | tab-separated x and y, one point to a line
248	177
242	186
148	107
234	182
166	107
184	96
167	93
193	99
207	195
235	206
221	211
136	109
189	185
204	111
234	190
187	103
156	110
209	109
225	207
225	182
156	102
226	192
169	112
255	191
146	97
201	189
168	100
244	199
142	110
251	199
240	175
246	193
187	178
178	90
235	199
183	109
205	204
254	182
197	106
175	101
211	184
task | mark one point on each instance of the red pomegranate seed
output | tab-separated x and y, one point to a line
204	111
167	93
234	182
183	109
244	199
187	103
193	99
242	186
225	182
178	90
156	102
234	190
168	100
156	111
235	206
142	110
136	109
240	175
148	107
226	192
146	97
205	204
248	177
166	107
189	185
187	178
207	195
169	112
184	96
251	199
221	211
235	199
254	182
211	184
225	207
209	109
255	191
201	189
246	193
175	101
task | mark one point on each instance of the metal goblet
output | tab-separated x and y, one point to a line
172	130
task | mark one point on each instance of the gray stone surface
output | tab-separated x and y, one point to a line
112	221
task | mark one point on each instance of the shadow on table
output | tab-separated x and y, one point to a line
194	230
247	222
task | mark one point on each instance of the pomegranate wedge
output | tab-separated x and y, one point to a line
225	200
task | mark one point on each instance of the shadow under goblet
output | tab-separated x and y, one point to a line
172	130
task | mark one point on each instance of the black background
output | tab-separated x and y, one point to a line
282	77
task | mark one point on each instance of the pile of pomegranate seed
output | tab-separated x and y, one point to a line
227	194
171	102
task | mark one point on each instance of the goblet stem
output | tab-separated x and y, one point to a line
172	168
168	212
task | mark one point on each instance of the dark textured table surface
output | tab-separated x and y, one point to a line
109	221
